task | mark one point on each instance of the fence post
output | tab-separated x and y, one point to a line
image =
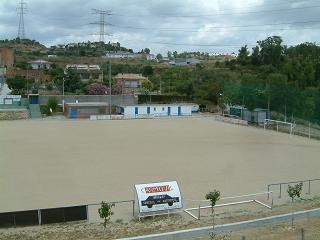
268	190
199	213
309	187
39	217
302	233
280	191
87	213
14	220
133	208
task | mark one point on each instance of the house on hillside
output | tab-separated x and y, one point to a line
40	64
87	72
121	55
184	61
151	57
129	82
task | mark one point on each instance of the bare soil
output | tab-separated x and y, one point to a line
52	163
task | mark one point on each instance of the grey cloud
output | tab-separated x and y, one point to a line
51	22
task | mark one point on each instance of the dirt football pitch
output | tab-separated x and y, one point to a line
53	163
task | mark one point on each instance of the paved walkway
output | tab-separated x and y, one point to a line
198	232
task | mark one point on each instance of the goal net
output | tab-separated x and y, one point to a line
279	126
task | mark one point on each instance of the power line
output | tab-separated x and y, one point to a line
102	23
220	13
225	28
21	11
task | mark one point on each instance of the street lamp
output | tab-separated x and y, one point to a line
220	103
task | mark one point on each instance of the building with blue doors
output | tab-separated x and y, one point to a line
85	109
155	110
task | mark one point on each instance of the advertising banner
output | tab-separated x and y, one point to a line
159	196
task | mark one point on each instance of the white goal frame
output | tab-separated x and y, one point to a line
291	125
251	199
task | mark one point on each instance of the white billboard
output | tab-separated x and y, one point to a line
158	196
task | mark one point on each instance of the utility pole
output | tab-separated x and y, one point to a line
101	22
21	9
63	94
110	106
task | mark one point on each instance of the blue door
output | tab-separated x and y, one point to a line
179	111
136	111
73	113
169	111
148	110
34	99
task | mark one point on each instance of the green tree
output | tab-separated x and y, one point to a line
255	56
146	51
57	76
17	84
294	192
105	212
52	104
175	54
243	56
271	50
146	88
72	81
213	197
147	70
186	88
159	57
23	65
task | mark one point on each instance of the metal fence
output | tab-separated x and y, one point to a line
310	131
306	183
54	215
306	131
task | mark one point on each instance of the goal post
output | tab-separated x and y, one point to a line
264	199
279	126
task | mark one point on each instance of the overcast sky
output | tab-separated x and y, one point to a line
166	25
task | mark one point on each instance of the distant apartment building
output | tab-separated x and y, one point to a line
40	64
121	55
6	57
184	61
87	72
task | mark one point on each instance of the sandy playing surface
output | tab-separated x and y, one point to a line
51	163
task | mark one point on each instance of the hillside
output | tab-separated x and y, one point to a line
22	45
273	76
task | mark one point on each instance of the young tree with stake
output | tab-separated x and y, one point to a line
213	197
105	212
294	192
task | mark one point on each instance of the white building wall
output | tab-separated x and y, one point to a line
156	111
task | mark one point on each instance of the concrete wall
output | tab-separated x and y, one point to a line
115	99
14	115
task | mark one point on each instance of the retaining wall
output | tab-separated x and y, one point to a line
14	115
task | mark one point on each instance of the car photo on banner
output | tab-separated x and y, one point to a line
159	196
